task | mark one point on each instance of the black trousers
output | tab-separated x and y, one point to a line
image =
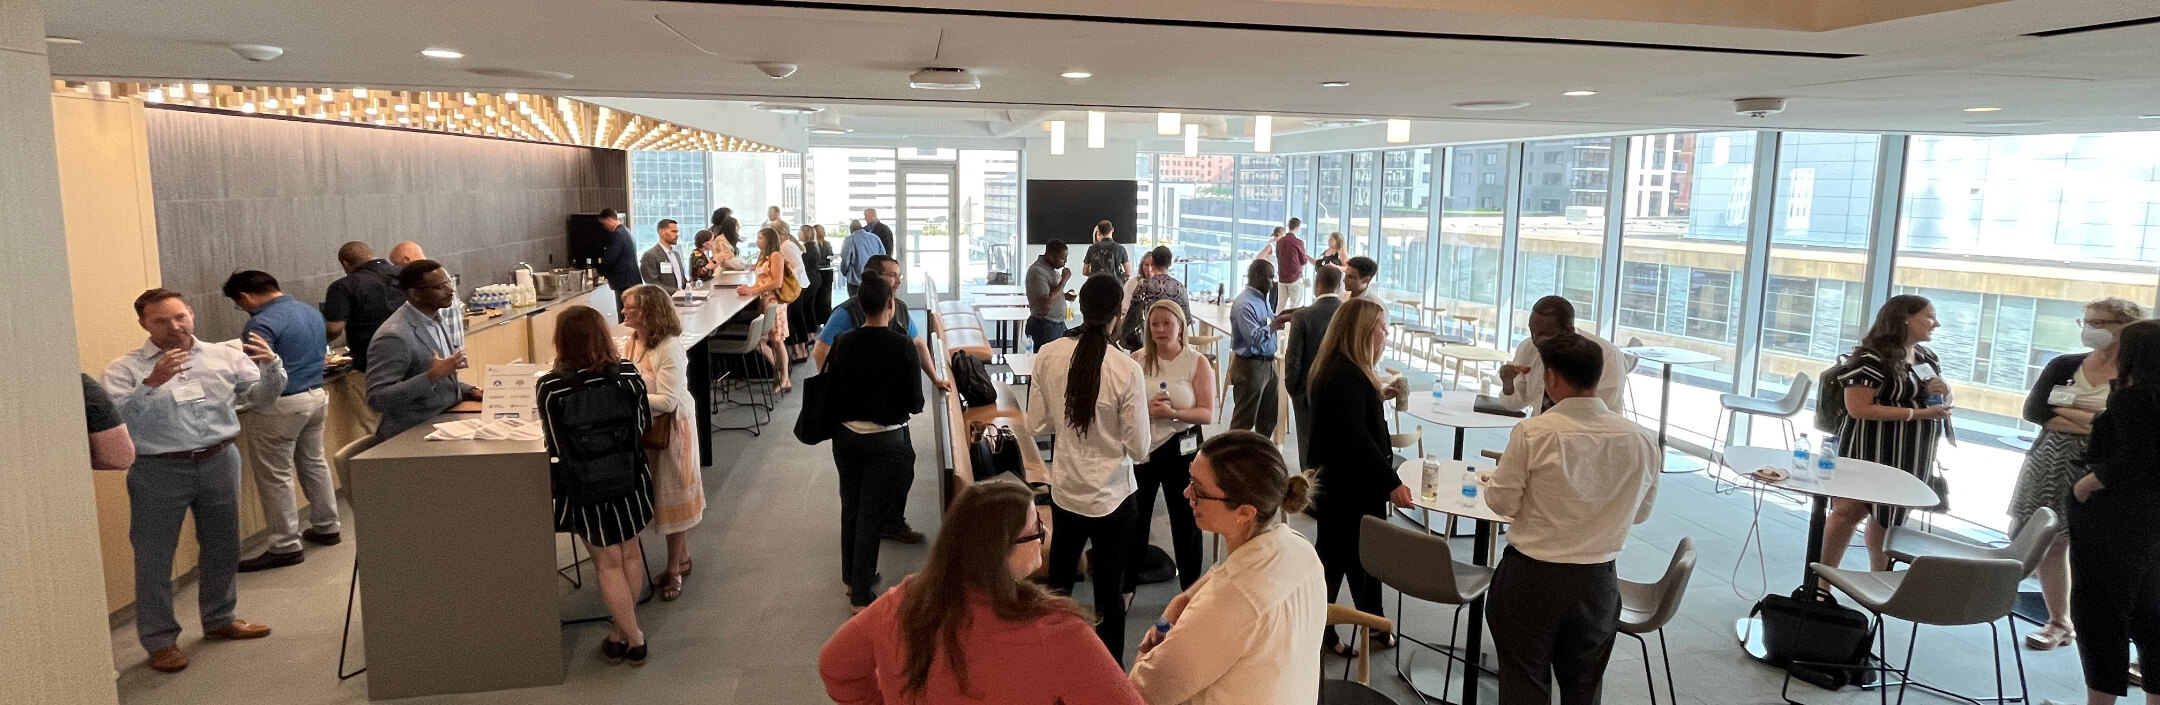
1301	415
1341	519
1111	535
2115	589
1552	623
1171	472
875	472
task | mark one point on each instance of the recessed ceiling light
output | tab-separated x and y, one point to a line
2005	123
1982	110
1077	74
1490	105
788	109
1334	84
1578	93
2151	116
62	40
442	53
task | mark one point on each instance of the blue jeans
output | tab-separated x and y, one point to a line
1041	331
161	492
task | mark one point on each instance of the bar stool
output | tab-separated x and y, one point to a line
1420	565
1938	591
1647	607
1466	326
738	347
1783	409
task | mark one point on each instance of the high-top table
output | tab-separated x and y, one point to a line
1855	479
1456	410
700	321
1665	358
1448	500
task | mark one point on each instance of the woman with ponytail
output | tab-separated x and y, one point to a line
1095	403
1244	633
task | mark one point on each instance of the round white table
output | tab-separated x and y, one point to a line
1665	358
1448	500
1456	409
1855	479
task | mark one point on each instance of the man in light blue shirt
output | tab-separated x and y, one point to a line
855	253
285	438
1253	384
181	400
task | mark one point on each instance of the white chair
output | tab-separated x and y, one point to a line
1783	409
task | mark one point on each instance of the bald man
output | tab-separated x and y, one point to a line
405	253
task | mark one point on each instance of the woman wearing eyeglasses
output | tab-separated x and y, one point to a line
1244	632
970	628
2070	393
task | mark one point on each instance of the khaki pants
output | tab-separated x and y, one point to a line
284	440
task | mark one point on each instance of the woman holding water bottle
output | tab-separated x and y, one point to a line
1181	398
1350	448
1896	412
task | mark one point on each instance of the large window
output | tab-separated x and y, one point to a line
1467	280
988	219
1357	232
1814	306
1328	212
666	185
1405	206
1262	204
1301	188
1565	185
1193	204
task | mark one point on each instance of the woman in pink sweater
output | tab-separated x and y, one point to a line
969	628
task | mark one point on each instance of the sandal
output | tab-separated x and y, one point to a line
2050	637
685	568
670	588
1335	646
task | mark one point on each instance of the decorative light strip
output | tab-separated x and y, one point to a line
509	115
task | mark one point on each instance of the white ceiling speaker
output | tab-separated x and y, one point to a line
775	70
256	52
933	78
1758	107
827	123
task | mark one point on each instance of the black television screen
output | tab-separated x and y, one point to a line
1069	209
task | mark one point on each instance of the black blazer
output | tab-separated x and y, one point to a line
1307	327
2058	372
2124	451
1349	435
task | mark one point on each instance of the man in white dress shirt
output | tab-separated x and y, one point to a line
1522	381
1575	479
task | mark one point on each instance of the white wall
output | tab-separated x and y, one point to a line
1113	162
57	648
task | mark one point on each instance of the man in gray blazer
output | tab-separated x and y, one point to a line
662	265
414	358
1307	326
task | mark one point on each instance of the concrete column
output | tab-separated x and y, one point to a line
57	649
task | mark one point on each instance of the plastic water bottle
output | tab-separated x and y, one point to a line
1469	486
1430	484
1162	627
1801	463
1436	390
1826	462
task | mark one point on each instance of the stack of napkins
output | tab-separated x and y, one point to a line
483	430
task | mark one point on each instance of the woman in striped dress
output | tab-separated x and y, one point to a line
1889	420
678	485
593	412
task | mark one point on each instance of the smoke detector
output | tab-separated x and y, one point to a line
933	78
1758	107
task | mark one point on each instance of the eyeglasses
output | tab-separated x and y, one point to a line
1197	496
2098	322
1029	538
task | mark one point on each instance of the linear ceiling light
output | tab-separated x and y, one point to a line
1167	123
1192	140
1095	129
1263	136
1057	138
1398	131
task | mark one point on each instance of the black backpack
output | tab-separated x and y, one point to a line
972	380
1830	397
593	436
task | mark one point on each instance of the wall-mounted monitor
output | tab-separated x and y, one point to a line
1069	209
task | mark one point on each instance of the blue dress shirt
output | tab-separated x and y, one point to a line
295	330
856	251
1251	329
160	423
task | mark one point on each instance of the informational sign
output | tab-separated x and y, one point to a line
510	392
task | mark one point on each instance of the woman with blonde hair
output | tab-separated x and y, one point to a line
678	484
593	411
1181	399
1244	633
772	287
1334	255
970	628
1355	463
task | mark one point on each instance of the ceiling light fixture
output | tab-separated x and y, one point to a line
1057	138
788	108
1398	131
199	88
511	96
1167	123
1077	74
1983	110
62	40
1578	93
1192	140
1490	105
154	95
2005	123
935	78
2149	116
434	53
1095	129
1334	84
1263	136
359	92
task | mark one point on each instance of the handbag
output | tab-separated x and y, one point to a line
659	433
815	423
994	451
1829	640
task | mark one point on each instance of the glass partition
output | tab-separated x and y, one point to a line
1565	184
1405	208
1815	303
1328	212
1357	222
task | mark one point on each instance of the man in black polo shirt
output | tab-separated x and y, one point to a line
354	307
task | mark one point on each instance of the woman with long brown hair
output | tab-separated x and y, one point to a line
1889	417
970	628
1350	450
772	287
1094	402
678	483
593	411
1180	386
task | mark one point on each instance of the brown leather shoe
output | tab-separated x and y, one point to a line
238	629
168	660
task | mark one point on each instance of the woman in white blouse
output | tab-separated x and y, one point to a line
678	485
1245	633
1181	398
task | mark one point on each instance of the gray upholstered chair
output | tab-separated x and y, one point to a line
1420	565
735	350
1905	543
1646	607
1356	692
1938	591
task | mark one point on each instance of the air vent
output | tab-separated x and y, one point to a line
2096	27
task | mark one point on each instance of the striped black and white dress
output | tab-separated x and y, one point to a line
1905	445
603	486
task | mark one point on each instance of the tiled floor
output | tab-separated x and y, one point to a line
766	594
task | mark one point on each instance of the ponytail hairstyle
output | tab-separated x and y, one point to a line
1252	473
1099	299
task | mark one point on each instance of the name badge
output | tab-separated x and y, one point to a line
667	268
188	392
2061	396
1189	444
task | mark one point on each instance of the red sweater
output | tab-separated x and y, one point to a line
1055	659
